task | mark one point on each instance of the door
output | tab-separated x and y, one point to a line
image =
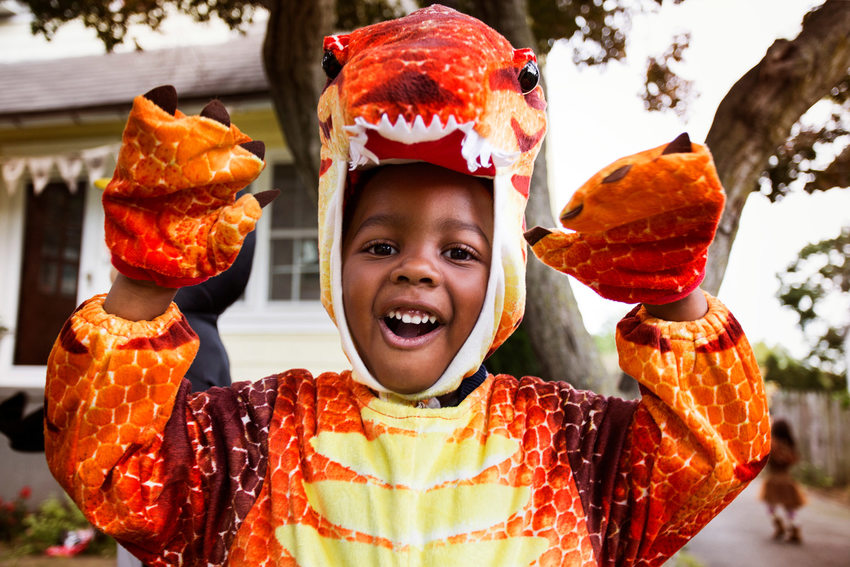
50	269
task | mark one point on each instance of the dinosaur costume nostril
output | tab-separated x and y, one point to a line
164	97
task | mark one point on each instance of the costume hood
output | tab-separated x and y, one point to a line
441	87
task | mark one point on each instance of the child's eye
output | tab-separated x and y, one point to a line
380	249
461	253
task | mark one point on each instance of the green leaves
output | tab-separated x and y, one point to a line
816	286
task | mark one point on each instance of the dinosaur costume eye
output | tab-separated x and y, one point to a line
528	77
331	65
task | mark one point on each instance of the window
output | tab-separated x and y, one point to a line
294	239
51	262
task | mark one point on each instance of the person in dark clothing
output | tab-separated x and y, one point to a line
202	305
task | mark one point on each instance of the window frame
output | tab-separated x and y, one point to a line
255	312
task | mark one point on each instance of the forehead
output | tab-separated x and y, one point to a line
419	190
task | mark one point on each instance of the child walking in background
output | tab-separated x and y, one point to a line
780	491
417	455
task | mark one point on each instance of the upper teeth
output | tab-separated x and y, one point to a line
414	318
476	150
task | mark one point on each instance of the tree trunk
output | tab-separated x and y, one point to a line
757	114
561	343
292	54
564	348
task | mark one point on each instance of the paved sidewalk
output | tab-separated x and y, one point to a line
741	535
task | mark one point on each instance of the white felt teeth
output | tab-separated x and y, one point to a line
477	151
416	318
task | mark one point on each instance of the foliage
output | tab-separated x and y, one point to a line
600	27
817	284
597	31
515	356
810	475
50	523
796	161
684	559
33	532
111	20
663	88
12	516
791	374
352	15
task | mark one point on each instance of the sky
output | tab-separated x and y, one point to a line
597	117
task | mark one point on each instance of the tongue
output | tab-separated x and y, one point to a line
408	330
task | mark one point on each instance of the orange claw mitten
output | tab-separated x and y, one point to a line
642	225
171	213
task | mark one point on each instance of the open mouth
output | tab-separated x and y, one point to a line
410	324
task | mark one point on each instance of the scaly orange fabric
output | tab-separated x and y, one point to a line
642	225
171	216
312	471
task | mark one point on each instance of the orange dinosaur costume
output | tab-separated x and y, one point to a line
334	469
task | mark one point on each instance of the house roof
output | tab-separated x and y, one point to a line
232	70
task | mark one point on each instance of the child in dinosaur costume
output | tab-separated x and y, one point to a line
417	455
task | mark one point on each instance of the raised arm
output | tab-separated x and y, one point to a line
699	435
122	436
641	230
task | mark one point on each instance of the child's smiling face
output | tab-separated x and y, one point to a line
415	265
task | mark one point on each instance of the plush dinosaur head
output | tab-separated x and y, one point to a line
440	87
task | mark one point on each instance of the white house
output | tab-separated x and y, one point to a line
60	128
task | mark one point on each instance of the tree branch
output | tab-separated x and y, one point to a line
757	114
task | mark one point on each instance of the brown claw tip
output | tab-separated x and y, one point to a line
681	145
256	147
572	213
266	197
215	110
536	234
165	97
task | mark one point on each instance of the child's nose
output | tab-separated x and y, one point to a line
416	269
